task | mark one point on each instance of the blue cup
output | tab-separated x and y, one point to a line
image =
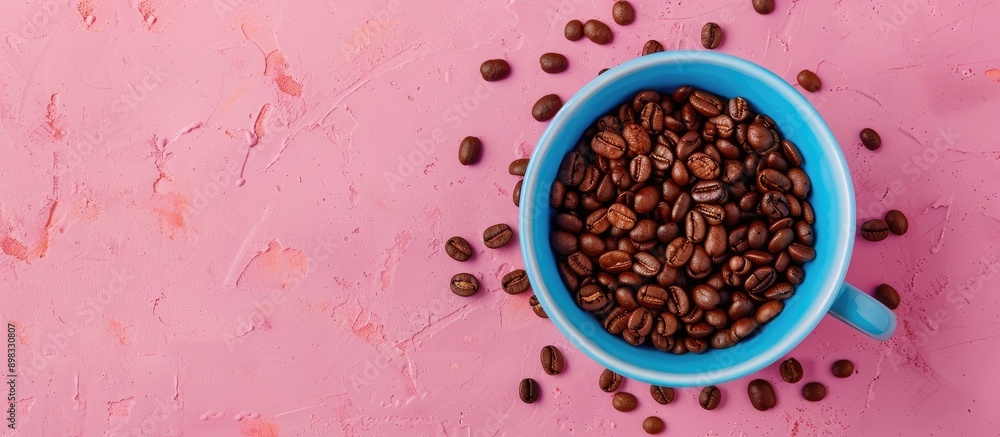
824	290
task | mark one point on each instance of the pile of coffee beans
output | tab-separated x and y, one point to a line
682	220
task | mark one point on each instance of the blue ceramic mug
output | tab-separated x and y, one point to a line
823	292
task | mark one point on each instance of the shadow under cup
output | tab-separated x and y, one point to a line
832	199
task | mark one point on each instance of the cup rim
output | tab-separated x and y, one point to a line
840	251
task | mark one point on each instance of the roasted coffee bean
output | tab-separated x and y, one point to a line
814	392
646	200
615	261
679	347
597	222
679	252
469	150
795	275
653	425
662	157
630	279
741	306
809	81
758	235
695	227
458	249
763	7
645	265
662	395
742	328
705	297
677	301
564	243
717	318
651	117
518	167
626	298
760	137
640	168
569	278
568	222
800	182
706	104
722	339
699	330
760	280
694	316
703	166
804	233
709	192
759	257
536	306
553	63
714	214
645	97
875	230
667	324
494	70
552	360
515	282
464	284
790	370
738	109
679	173
770	179
572	169
597	32
621	216
528	391
651	46
888	295
609	145
623	13
870	139
781	240
592	297
807	213
768	311
516	194
574	30
843	368
644	230
710	397
687	145
780	291
761	395
715	241
801	253
624	402
546	107
774	205
616	321
897	222
637	139
695	345
610	381
711	35
640	321
591	245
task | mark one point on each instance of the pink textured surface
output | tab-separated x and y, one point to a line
227	218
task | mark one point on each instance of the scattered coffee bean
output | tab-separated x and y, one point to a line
469	150
464	284
651	46
791	371
597	32
518	166
875	230
624	402
763	7
761	395
515	282
546	107
497	236
662	395
610	381
870	139
517	192
553	63
528	391
494	70
458	249
552	360
710	397
536	306
843	368
886	294
653	425
814	392
809	81
602	71
623	12
897	222
711	35
574	30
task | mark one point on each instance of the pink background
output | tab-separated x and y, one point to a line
227	217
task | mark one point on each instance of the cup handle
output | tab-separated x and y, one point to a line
862	312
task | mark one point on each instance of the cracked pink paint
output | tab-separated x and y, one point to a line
226	218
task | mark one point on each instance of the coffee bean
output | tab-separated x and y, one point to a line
679	252
552	360
572	169
694	227
497	236
711	35
761	138
795	275
637	139
703	166
574	30
640	169
615	262
546	107
707	104
763	7
843	368
662	395
809	81
875	230
781	240
646	265
801	253
610	381
597	222
768	311
790	370
897	222
814	392
640	322
516	194
597	32
464	284
761	395
710	397
742	328
709	192
651	117
870	139
609	145
553	63
494	70
800	182
458	249
678	302
662	157
886	294
623	13
528	391
651	46
705	297
536	306
774	205
741	306
653	425
621	217
470	150
515	282
624	402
